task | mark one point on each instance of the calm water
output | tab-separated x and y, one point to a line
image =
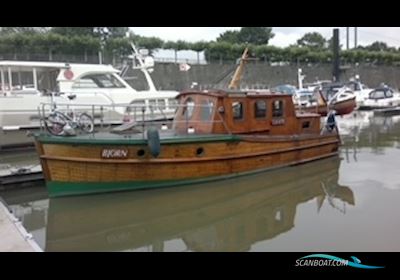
348	203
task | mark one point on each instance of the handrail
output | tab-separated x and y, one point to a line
138	116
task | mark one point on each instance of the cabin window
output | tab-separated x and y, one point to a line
237	110
161	104
188	108
206	109
138	104
389	94
277	108
172	103
98	81
260	109
377	94
152	104
306	124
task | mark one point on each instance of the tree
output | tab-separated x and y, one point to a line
255	35
73	31
379	47
229	36
313	40
329	43
25	30
118	32
150	43
199	47
113	32
247	35
177	46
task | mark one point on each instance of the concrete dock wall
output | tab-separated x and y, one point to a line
259	75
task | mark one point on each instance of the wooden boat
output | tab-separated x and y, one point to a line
204	217
215	134
235	134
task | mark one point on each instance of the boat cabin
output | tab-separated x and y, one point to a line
26	85
241	112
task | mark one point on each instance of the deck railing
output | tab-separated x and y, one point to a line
130	119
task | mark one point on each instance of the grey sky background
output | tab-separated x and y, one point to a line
284	36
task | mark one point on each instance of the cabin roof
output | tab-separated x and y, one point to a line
28	65
234	93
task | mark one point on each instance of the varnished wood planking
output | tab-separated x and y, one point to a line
106	171
170	151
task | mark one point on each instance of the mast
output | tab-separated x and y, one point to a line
143	68
235	82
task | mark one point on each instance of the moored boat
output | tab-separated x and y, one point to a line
343	102
214	135
381	98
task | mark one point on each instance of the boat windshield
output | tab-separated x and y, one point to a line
380	94
188	109
98	81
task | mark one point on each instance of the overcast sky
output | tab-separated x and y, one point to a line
284	36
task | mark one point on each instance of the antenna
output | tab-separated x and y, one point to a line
143	67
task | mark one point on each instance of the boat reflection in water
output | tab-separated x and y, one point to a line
228	215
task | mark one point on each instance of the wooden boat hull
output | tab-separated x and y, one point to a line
345	107
250	202
75	167
342	108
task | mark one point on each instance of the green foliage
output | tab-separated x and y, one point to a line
199	46
312	40
230	36
247	35
255	35
25	30
378	47
151	43
73	31
80	40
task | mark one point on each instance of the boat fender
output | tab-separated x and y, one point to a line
153	141
331	122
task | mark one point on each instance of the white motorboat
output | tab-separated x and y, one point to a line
25	85
360	90
381	98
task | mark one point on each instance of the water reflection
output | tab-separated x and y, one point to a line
366	130
301	208
371	149
229	215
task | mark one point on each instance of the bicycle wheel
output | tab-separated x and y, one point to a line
55	123
85	122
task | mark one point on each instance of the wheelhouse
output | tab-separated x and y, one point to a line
226	112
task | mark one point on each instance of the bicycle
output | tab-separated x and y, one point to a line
61	124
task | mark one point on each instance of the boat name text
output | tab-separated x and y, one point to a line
114	153
278	121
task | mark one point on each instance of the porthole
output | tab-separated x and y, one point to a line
140	153
200	152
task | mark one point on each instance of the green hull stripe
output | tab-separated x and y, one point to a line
57	188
